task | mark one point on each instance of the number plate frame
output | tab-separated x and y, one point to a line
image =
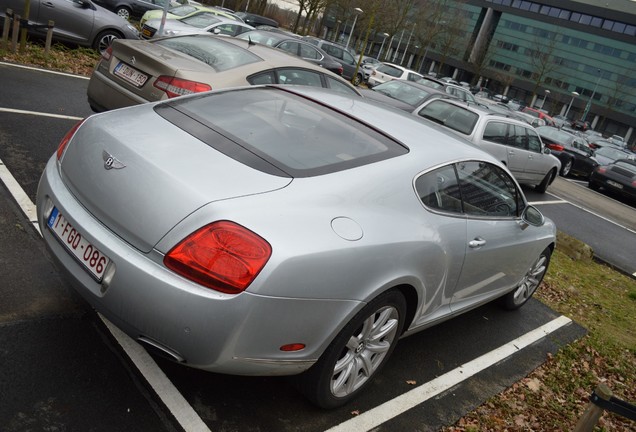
91	258
131	75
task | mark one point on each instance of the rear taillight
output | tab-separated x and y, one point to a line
223	256
107	53
62	146
179	87
556	147
601	169
340	70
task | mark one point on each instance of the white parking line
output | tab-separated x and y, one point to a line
388	410
187	417
590	212
41	114
44	70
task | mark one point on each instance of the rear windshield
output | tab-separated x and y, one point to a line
390	70
297	136
212	51
451	116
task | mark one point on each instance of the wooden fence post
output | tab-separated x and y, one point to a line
593	412
16	31
5	29
49	37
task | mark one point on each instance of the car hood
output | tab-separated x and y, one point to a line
141	187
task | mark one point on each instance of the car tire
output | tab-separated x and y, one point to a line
104	39
566	167
356	355
123	12
547	180
357	80
530	282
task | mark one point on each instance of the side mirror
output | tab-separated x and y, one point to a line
546	150
532	216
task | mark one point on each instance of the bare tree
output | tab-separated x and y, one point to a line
453	39
545	65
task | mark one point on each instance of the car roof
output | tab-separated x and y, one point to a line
480	110
270	58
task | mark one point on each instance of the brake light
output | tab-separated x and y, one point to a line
340	70
179	87
601	169
223	256
107	53
556	147
61	148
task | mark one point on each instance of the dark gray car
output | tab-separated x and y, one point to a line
76	21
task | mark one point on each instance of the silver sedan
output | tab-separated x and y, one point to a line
269	230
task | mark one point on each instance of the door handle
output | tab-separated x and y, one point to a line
476	243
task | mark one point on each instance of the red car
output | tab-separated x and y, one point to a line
549	121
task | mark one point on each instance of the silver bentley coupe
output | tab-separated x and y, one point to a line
285	230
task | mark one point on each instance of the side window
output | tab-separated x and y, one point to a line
309	52
487	190
262	78
340	87
534	142
439	190
496	132
412	77
290	47
299	77
347	57
520	137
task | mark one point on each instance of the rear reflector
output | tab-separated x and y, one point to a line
179	87
223	256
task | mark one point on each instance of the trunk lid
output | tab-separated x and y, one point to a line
149	185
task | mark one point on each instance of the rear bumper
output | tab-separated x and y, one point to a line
235	334
105	94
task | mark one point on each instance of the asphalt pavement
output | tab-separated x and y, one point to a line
60	368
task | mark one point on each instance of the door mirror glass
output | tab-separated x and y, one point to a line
533	216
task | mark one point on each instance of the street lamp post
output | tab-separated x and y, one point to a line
574	96
589	102
357	11
545	97
384	36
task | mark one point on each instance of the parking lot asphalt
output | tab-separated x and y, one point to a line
60	369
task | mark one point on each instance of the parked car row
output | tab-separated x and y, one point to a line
80	22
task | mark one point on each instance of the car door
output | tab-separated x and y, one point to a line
73	19
499	139
438	191
497	253
538	163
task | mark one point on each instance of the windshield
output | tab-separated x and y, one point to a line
201	20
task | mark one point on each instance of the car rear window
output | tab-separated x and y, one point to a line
390	70
451	116
297	136
214	52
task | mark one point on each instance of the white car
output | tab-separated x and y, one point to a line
389	71
195	24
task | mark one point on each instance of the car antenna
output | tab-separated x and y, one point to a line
249	41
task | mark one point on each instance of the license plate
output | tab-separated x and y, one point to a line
614	184
131	75
87	254
146	32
